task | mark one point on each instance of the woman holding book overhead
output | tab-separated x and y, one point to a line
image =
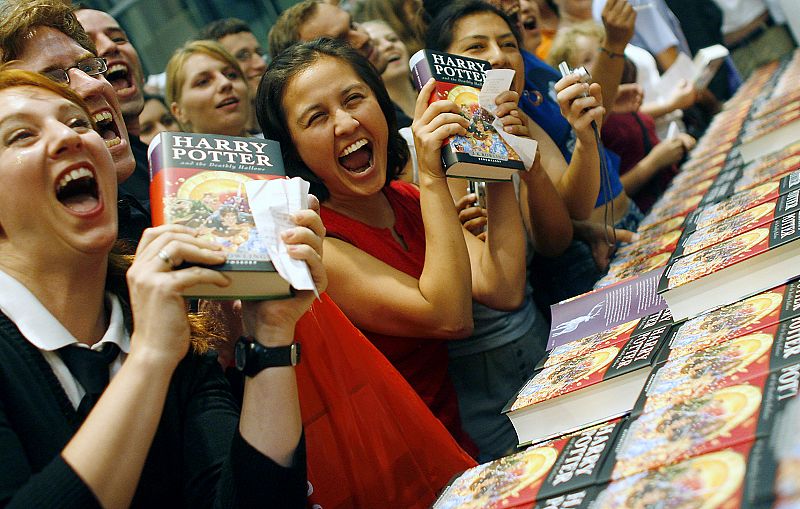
402	268
165	432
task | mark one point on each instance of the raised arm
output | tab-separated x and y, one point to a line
109	450
578	183
619	19
380	298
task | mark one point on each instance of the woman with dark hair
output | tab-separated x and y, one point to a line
402	268
73	313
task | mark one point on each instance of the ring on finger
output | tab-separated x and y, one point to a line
165	258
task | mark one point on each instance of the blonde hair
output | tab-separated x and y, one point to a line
392	12
176	66
563	48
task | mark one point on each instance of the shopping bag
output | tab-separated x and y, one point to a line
371	441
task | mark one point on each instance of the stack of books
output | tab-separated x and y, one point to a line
694	408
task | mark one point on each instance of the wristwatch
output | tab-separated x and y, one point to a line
252	357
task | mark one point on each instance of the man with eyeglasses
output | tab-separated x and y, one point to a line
237	37
45	36
127	78
311	19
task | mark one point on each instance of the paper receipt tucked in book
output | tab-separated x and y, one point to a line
272	203
496	81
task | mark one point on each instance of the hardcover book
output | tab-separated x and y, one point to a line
755	217
734	320
482	153
198	180
585	390
720	418
741	201
541	471
733	269
738	476
731	362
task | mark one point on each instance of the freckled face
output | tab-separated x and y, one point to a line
59	183
339	130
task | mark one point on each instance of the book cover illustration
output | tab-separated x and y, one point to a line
730	252
737	319
721	365
736	204
198	180
725	229
583	346
707	481
459	79
542	470
652	233
651	247
664	211
769	170
598	311
626	269
579	372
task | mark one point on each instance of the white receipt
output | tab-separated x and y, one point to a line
495	82
272	203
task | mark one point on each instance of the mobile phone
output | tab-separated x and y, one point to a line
478	188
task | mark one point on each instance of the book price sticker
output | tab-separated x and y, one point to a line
495	82
272	203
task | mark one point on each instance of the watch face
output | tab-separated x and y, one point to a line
241	354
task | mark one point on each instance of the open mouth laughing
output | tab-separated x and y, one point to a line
119	76
77	190
357	157
107	128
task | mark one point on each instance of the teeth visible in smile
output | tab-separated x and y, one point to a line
117	67
103	116
352	148
113	142
74	175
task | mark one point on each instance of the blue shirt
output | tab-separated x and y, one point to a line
539	80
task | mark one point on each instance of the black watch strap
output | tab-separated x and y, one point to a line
252	357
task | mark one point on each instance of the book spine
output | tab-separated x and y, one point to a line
791	300
783	230
638	352
790	182
581	461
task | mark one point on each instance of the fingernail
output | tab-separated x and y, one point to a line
508	129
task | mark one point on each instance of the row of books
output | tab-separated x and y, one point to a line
697	408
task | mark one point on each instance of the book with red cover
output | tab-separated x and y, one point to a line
733	269
481	153
585	390
734	320
541	471
741	201
719	418
754	217
730	362
737	476
611	337
198	180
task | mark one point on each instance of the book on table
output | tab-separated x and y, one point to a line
541	471
733	269
587	389
198	180
482	153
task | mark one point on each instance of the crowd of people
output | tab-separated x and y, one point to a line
114	395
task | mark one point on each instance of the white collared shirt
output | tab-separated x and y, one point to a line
47	334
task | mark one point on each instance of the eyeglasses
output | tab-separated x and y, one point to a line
90	66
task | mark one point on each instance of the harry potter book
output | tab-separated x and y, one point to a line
723	273
482	153
584	390
754	217
198	180
738	319
541	471
720	365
